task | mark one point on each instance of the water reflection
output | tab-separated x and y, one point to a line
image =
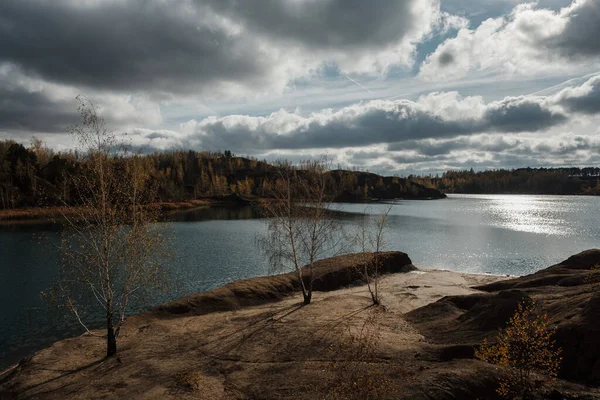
214	213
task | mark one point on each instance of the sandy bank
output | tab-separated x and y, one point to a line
277	348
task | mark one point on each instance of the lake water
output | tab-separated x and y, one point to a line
498	234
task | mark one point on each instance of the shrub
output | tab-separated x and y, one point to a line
526	346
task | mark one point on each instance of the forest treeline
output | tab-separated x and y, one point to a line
37	176
518	181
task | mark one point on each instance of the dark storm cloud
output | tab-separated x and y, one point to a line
374	123
375	126
579	39
586	100
328	24
22	110
123	45
191	46
433	148
521	115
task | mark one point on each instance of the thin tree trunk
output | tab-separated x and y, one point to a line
111	339
309	287
376	279
307	296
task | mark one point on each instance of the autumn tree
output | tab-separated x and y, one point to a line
300	229
526	346
112	252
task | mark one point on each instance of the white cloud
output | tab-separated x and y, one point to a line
435	116
529	41
33	105
217	64
220	49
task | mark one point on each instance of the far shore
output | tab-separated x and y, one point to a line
47	214
58	213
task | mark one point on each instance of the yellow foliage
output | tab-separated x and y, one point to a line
525	345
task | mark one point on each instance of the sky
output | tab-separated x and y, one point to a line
389	86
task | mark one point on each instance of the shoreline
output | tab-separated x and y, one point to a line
274	291
253	338
57	213
54	213
233	295
250	292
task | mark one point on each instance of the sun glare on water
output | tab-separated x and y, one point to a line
528	214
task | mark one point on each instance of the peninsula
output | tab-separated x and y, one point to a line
254	339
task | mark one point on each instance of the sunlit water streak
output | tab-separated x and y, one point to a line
497	234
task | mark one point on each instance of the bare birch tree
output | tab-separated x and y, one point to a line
112	252
300	229
372	237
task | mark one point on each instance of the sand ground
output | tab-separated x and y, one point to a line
275	350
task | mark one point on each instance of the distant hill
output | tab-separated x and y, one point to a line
37	177
360	186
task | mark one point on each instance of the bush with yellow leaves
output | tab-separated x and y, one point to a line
525	345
